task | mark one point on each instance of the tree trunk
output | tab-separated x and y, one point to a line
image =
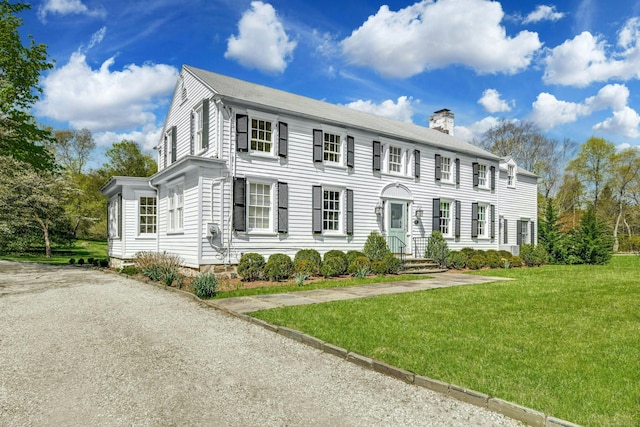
47	241
616	243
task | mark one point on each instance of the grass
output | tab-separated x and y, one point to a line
60	255
328	283
564	340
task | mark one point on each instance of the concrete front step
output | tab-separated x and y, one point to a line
420	266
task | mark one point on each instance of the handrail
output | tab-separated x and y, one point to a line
397	247
420	246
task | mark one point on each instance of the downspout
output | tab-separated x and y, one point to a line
157	216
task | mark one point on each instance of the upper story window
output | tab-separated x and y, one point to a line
395	160
198	124
147	215
446	169
482	176
175	209
170	149
332	148
261	136
260	206
511	176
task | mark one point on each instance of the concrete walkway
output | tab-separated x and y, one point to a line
264	302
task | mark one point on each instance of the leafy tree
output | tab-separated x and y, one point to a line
33	201
126	159
626	171
551	237
20	69
73	148
593	166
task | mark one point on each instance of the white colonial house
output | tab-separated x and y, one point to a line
246	168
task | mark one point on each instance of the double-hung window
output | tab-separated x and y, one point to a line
175	209
331	210
147	215
445	218
115	218
482	220
260	207
394	163
261	136
482	176
332	148
198	119
511	176
446	169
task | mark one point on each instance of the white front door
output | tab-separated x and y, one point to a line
397	225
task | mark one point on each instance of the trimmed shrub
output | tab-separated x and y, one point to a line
468	253
392	263
360	266
352	255
129	270
104	263
278	267
456	260
342	265
95	262
533	256
72	261
375	248
251	266
312	257
333	267
205	285
437	248
477	262
81	261
491	252
379	268
505	254
494	261
516	261
306	266
90	260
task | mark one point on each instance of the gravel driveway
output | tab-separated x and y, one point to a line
83	347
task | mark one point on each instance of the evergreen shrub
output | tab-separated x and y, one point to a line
311	256
205	285
278	267
251	266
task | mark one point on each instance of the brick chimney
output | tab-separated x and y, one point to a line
442	120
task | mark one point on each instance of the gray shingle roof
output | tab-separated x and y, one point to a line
269	98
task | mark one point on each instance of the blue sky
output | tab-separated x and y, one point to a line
571	67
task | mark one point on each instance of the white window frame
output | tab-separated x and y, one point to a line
340	211
484	223
267	121
483	175
446	174
524	231
153	216
395	160
175	208
339	152
511	176
249	204
447	222
198	124
115	210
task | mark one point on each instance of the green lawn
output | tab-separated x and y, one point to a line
82	249
328	283
564	340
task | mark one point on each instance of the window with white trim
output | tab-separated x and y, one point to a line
114	212
198	117
524	231
332	148
260	209
261	136
483	229
482	176
175	209
446	210
511	176
331	210
395	164
147	210
446	169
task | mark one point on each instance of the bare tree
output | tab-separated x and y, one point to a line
626	170
73	149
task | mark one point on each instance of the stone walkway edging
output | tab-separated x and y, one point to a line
517	412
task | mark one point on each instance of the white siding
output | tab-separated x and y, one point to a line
517	203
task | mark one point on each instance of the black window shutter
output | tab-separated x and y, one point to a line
316	200
283	139
376	156
192	134
505	224
351	154
458	217
205	124
493	221
317	145
416	163
519	232
493	177
435	215
174	144
475	174
283	207
242	132
457	171
239	204
438	167
350	212
164	151
533	232
474	220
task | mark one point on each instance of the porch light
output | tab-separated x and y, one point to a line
419	213
378	210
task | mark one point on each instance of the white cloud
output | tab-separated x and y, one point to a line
585	59
67	7
105	100
543	13
548	111
492	102
401	110
430	35
262	42
476	130
147	138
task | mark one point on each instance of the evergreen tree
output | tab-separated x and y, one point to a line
551	237
592	242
